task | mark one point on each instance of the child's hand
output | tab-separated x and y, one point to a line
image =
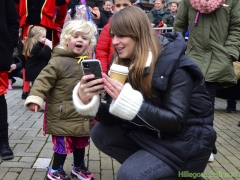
33	107
48	43
88	88
13	66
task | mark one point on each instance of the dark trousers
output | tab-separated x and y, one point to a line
212	88
3	120
136	163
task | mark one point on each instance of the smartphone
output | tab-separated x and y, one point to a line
92	66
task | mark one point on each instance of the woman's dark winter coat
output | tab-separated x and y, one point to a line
40	56
180	125
8	33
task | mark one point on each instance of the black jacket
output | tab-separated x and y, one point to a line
8	32
176	125
104	17
41	54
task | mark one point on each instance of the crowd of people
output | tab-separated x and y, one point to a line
163	114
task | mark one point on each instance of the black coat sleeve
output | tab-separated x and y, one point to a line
42	52
105	117
172	115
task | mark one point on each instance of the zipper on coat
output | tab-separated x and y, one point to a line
149	126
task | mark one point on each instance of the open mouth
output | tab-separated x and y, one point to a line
79	46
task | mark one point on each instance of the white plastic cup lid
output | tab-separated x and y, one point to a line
119	68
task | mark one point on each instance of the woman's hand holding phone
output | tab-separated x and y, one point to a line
90	87
112	87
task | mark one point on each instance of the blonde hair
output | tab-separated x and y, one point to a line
74	26
34	32
134	23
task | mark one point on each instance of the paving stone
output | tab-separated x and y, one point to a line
10	176
106	163
46	153
107	174
28	159
38	175
94	166
26	174
3	172
94	155
235	160
15	170
17	135
116	166
16	164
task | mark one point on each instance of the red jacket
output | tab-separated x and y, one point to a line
42	12
104	48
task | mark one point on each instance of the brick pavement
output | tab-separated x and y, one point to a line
33	150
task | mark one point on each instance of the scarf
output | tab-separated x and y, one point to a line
205	7
158	16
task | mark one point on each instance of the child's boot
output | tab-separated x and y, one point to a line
82	172
10	84
57	174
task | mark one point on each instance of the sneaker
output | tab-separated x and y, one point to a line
59	174
82	173
6	152
211	158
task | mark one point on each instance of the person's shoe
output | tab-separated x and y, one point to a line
82	173
25	95
230	109
13	80
6	152
59	174
211	158
231	106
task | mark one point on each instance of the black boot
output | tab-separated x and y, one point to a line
25	95
231	106
5	150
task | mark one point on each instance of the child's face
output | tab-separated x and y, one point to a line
120	4
78	43
42	37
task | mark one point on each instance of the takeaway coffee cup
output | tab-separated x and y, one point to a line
119	73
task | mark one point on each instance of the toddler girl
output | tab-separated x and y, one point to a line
38	51
70	131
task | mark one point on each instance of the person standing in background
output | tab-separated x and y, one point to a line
174	9
104	48
8	40
213	42
105	14
49	14
159	14
38	50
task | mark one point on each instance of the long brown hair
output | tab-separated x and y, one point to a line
133	22
34	32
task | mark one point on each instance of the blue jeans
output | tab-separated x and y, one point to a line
137	164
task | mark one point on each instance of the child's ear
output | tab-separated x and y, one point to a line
113	7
